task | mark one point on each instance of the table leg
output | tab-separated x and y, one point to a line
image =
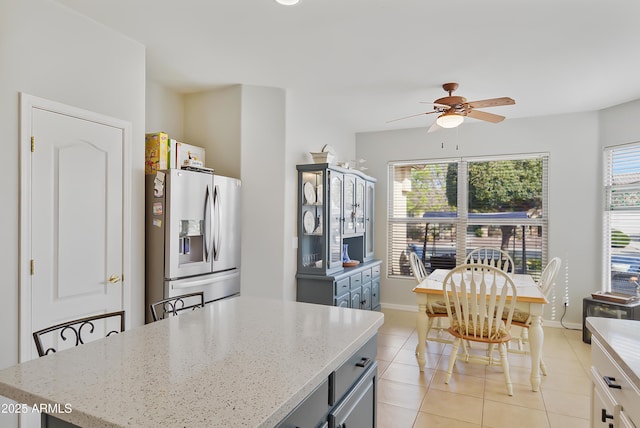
536	339
422	320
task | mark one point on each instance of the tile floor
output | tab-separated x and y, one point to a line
476	396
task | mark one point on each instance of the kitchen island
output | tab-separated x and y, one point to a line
243	361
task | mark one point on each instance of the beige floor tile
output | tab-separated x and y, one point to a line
396	330
457	406
461	367
408	356
391	341
495	390
427	420
561	421
500	415
390	416
459	384
400	394
387	353
382	367
568	404
580	384
566	366
410	374
519	375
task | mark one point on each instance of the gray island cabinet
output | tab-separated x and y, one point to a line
243	361
335	231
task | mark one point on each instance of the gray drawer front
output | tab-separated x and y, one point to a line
375	271
358	408
356	280
311	411
366	276
342	286
341	380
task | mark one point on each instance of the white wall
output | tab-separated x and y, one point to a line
51	52
574	179
164	111
212	119
620	124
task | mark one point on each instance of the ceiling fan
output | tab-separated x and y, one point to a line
453	109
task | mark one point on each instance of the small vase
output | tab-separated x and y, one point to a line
345	253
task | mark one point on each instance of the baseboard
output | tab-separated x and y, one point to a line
546	323
407	308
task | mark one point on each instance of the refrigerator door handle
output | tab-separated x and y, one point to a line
208	230
216	212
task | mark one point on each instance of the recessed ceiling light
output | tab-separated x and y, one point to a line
288	2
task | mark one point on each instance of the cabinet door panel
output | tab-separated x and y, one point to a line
335	221
348	210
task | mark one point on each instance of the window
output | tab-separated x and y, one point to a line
622	218
443	209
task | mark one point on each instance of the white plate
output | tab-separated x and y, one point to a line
309	193
319	194
308	222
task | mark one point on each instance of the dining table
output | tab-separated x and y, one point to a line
530	298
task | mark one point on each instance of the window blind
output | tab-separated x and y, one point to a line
621	228
443	209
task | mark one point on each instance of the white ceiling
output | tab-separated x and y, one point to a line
374	60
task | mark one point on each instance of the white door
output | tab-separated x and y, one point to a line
76	222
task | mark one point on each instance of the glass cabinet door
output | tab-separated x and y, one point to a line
358	207
368	214
312	252
335	220
349	213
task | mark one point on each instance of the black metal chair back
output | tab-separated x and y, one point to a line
175	305
75	331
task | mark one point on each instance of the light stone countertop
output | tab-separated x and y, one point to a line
243	361
621	338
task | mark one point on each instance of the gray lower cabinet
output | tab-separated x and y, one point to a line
357	287
347	398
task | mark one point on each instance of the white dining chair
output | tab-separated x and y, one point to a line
480	298
436	310
490	256
523	319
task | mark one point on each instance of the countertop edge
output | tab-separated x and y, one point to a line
600	328
313	383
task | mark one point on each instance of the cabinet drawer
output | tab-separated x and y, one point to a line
341	380
356	280
366	276
342	286
358	408
375	271
609	374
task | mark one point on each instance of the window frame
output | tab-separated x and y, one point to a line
462	219
609	188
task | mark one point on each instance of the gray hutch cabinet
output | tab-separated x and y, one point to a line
336	220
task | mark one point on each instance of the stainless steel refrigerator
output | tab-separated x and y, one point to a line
192	235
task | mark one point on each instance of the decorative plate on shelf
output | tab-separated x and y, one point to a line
309	193
308	222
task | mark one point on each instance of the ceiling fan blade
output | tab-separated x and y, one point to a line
483	115
434	127
413	115
493	102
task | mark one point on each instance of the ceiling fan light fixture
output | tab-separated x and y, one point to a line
288	2
449	120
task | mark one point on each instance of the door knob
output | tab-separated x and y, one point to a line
114	279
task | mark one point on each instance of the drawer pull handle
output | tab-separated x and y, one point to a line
364	362
609	380
605	416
